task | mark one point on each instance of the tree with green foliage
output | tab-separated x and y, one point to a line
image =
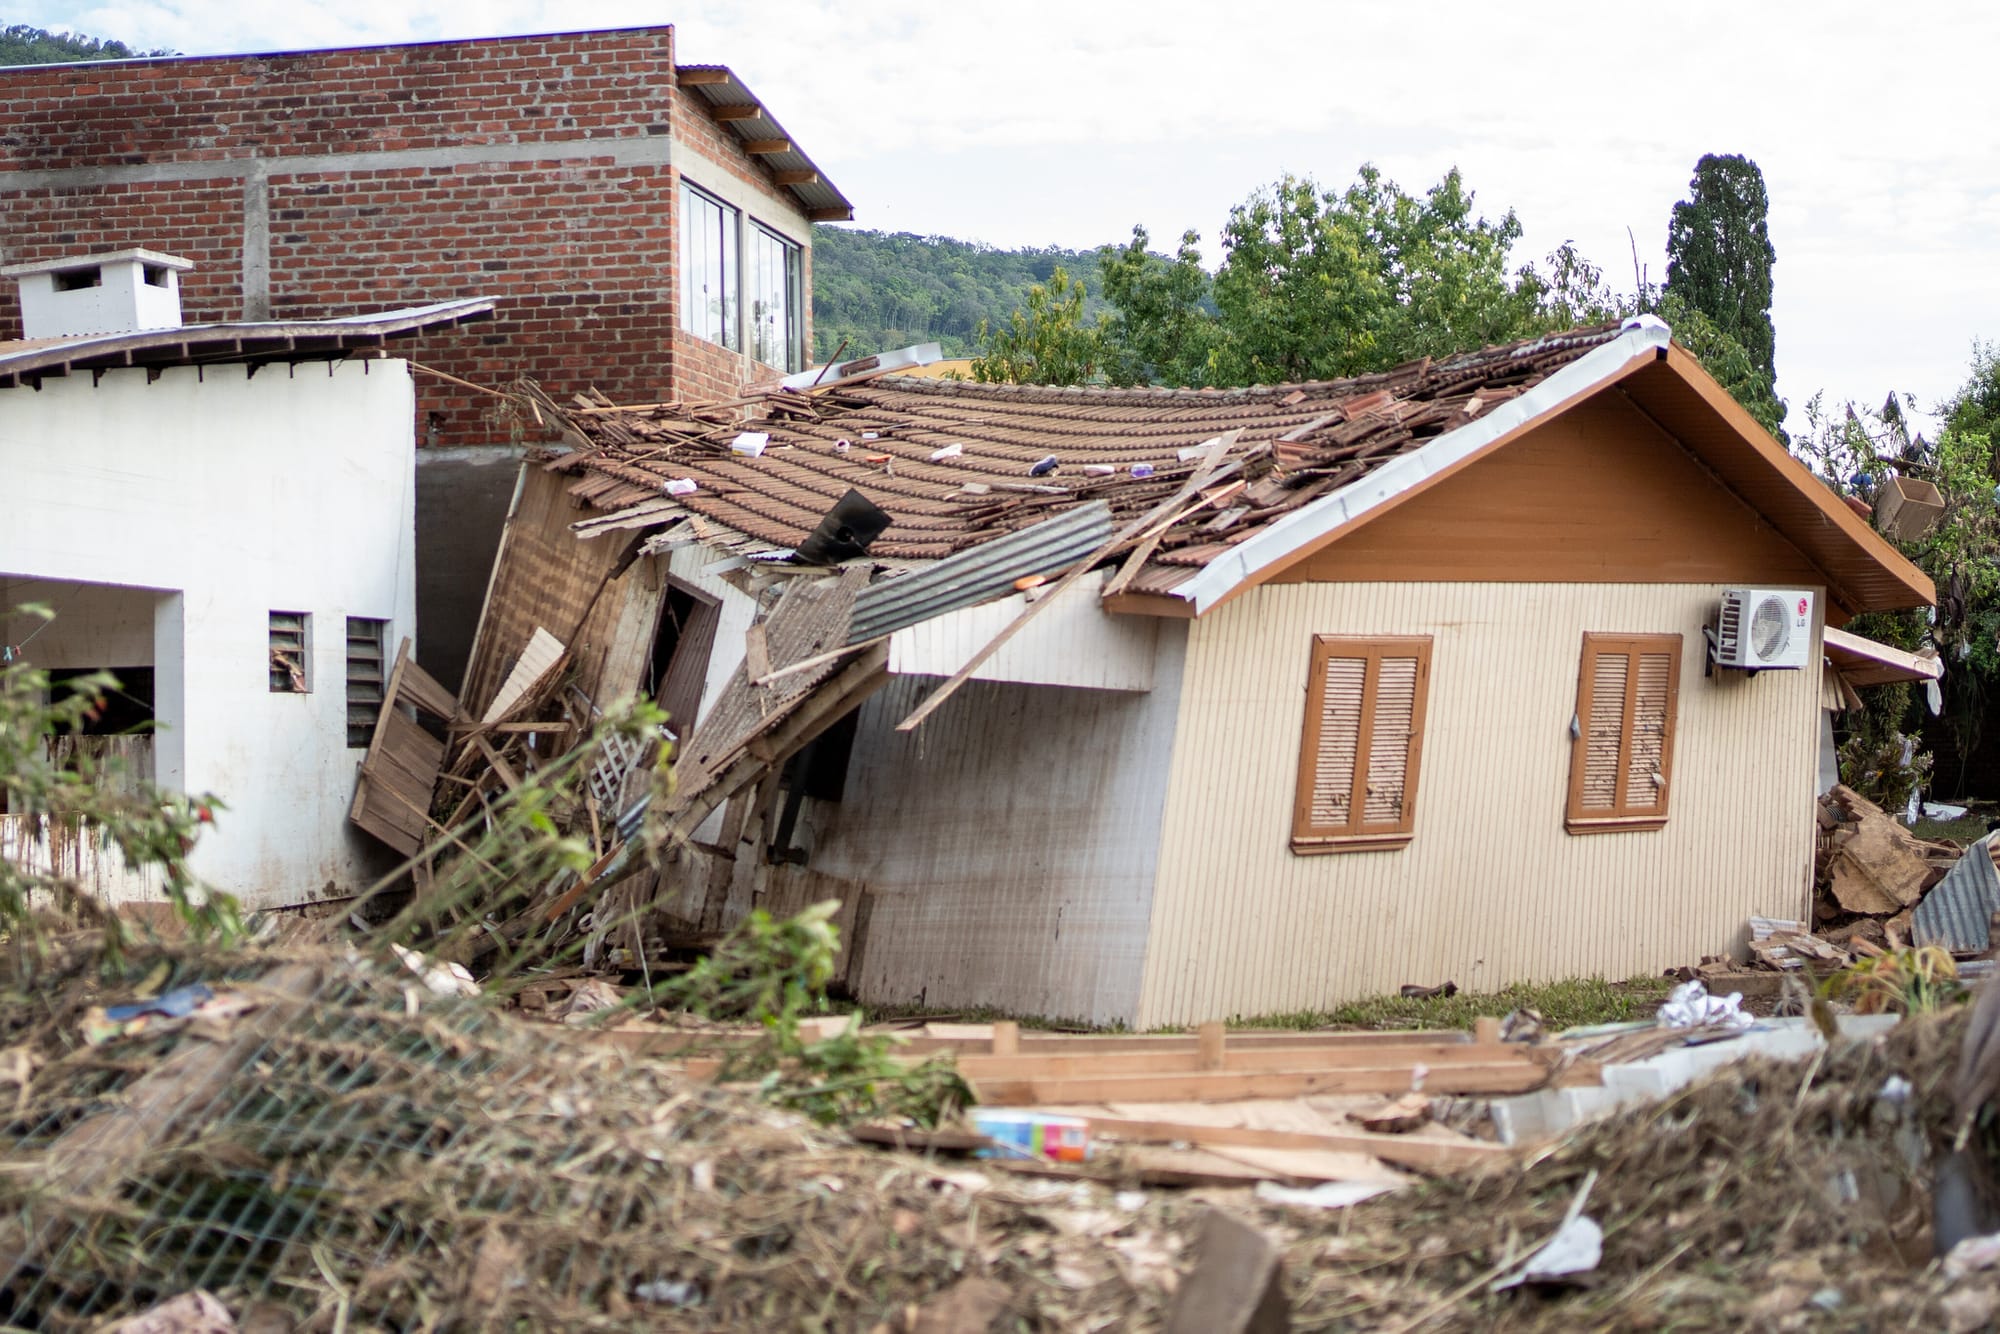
1047	341
1719	256
875	291
1161	329
21	44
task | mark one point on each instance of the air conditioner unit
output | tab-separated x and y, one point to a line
1762	628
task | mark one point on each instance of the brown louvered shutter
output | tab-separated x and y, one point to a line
1622	755
1357	777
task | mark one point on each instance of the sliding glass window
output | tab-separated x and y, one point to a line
708	268
777	283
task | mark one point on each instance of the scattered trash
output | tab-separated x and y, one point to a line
176	1004
1142	470
750	444
1522	1026
950	451
1939	811
1971	1255
593	995
869	435
1576	1248
1326	1195
1034	1135
1411	991
1028	581
1099	470
1690	1006
677	1292
680	486
1043	467
194	1312
842	446
449	979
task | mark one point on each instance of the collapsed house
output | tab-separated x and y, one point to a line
222	515
1465	670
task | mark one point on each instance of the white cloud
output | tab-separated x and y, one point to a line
1060	122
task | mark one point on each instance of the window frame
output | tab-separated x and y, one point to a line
289	678
1623	816
1358	835
791	260
729	261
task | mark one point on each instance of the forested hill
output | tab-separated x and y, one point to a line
883	290
23	45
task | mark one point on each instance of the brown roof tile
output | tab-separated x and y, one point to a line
1299	442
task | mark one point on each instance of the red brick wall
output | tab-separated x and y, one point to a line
577	246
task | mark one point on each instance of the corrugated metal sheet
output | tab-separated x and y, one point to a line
981	574
1957	910
1491	889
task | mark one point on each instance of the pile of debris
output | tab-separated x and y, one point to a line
1871	871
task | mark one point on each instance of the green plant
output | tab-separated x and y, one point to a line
1909	980
773	973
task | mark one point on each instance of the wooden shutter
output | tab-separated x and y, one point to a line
1357	780
1621	759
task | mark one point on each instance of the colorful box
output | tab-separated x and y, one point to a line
1033	1135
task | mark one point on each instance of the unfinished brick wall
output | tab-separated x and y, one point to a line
538	170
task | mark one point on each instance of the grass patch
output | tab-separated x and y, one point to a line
1967	829
1572	1003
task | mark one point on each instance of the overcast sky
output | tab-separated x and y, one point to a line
1039	123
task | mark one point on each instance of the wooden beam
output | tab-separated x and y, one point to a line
1236	1085
766	147
1408	1150
1406	1055
830	215
698	78
795	177
1150	604
751	112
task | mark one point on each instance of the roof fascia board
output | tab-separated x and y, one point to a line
1301	533
1850	525
1883	661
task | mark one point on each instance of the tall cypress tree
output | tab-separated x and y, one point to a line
1719	254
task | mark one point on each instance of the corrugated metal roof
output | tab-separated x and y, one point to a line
981	574
1955	913
717	86
263	340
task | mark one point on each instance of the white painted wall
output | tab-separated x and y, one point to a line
232	496
1009	843
1071	642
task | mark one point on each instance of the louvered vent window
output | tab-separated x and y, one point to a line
1364	725
1622	751
291	652
366	673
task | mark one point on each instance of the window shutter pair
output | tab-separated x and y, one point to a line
1357	781
1622	754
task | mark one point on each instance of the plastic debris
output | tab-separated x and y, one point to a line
842	446
1099	470
1690	1006
678	1292
1142	470
1043	466
448	979
1034	1135
1576	1248
194	1312
680	486
1326	1195
950	451
1972	1255
176	1004
750	444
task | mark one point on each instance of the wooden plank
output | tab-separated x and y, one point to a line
1235	1085
1006	1039
978	1038
1210	1039
1438	1055
500	766
1405	1150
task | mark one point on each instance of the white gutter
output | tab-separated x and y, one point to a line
1642	336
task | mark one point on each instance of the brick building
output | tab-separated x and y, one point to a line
645	226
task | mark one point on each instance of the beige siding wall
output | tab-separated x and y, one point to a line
1491	890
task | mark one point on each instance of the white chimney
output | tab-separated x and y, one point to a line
120	292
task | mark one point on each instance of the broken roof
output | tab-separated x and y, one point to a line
955	464
29	360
